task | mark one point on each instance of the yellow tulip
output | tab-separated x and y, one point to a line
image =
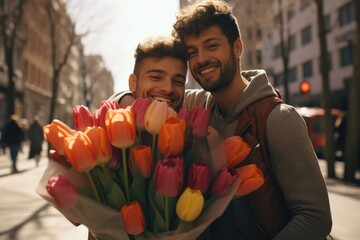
190	204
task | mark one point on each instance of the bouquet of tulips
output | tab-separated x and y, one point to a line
144	171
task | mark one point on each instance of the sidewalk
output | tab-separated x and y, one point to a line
25	215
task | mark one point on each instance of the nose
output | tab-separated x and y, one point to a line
167	86
202	56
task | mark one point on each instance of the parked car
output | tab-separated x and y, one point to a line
314	118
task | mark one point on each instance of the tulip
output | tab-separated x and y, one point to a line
120	127
190	204
252	178
80	152
101	144
184	114
143	160
199	121
156	115
133	218
139	107
236	150
100	113
63	192
168	176
199	177
82	117
114	163
172	136
223	181
55	133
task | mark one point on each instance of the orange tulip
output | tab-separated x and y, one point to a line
143	160
133	218
156	115
120	127
172	136
55	133
101	144
251	177
80	152
236	150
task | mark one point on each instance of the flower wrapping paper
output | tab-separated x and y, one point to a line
106	224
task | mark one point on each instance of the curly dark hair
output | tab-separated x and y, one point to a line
194	18
159	47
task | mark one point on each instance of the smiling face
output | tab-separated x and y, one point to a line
213	62
162	79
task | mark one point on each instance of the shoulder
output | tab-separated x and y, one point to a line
197	97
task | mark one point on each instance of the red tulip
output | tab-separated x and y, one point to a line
143	160
63	192
82	117
115	161
80	152
223	181
168	176
133	218
199	121
156	115
199	177
172	136
139	107
252	178
236	150
55	133
120	126
184	114
100	113
101	144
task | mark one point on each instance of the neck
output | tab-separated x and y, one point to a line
226	96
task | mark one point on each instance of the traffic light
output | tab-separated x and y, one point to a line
305	87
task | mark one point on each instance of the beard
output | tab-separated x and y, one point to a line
227	75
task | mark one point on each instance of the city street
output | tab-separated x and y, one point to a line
25	215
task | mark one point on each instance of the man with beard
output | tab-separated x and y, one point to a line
293	203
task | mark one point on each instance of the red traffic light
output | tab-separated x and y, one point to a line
305	87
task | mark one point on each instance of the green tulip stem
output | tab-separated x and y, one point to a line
123	151
167	224
154	148
91	180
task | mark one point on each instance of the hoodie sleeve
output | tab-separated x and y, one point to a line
297	171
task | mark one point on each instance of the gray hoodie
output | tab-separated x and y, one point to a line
294	163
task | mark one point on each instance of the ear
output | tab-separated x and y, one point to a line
238	47
132	82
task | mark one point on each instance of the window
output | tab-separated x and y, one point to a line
249	57
292	74
306	35
307	69
347	13
277	51
292	43
327	20
249	31
304	4
258	33
258	56
278	79
347	55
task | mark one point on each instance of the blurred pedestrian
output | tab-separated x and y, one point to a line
36	139
13	138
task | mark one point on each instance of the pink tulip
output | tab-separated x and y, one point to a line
223	181
199	121
168	176
156	115
184	114
199	177
139	107
63	192
82	117
100	113
115	161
